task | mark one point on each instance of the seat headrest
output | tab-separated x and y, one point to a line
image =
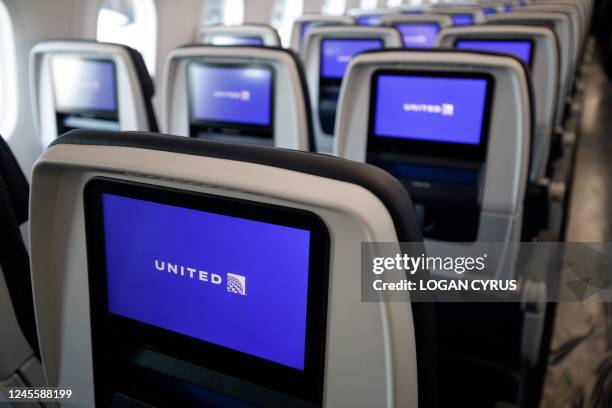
536	47
291	126
510	121
395	19
385	187
349	39
477	15
231	35
303	24
355	203
134	86
560	23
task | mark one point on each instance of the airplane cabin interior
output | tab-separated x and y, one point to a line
306	203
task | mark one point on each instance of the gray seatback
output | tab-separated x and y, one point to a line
507	158
544	75
134	88
312	62
353	213
290	110
561	24
305	22
226	35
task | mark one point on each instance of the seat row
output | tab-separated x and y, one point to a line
469	135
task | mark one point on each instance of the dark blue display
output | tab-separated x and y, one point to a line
231	94
520	49
236	40
489	11
462	19
369	20
304	30
337	53
234	282
435	109
421	35
84	84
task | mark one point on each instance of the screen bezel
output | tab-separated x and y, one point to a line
445	150
500	40
307	384
107	114
258	130
352	39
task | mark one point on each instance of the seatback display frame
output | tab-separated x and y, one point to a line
420	146
116	337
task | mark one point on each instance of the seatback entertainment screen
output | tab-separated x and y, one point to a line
336	54
84	84
369	20
231	94
306	26
421	35
236	40
522	49
431	111
462	20
240	280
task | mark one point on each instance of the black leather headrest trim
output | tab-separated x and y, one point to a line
15	263
388	189
15	182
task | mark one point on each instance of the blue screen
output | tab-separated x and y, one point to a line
231	94
304	31
418	35
433	109
463	19
508	8
372	20
236	40
489	11
233	282
336	54
520	49
84	84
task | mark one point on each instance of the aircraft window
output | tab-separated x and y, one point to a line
334	7
284	15
226	12
394	3
8	91
132	23
368	4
